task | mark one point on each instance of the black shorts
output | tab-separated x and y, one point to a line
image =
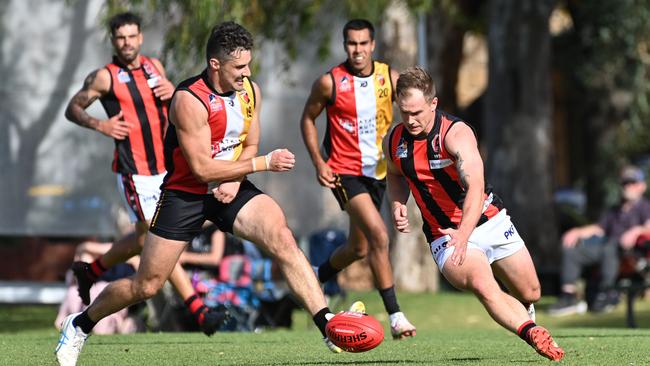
180	215
348	186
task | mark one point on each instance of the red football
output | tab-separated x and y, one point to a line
354	332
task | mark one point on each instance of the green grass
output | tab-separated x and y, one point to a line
453	329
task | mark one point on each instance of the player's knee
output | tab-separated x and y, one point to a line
146	289
531	294
281	242
483	289
378	240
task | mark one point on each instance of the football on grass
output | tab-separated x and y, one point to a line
354	332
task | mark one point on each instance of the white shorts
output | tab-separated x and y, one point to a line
140	194
497	238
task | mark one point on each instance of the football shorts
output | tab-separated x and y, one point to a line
497	238
180	215
140	194
348	186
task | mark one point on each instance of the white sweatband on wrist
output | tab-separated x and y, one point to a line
267	159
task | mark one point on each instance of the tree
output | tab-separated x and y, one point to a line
517	119
29	135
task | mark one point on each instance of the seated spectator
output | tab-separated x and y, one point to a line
599	244
228	272
122	322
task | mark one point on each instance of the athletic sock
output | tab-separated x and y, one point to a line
96	269
523	330
320	318
84	322
326	272
390	300
197	307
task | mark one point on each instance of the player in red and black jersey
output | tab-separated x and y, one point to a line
207	184
135	93
358	98
435	157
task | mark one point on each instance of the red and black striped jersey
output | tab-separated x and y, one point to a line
229	116
359	114
433	179
141	152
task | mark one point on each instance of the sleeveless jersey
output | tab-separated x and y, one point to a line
141	152
229	117
433	178
358	116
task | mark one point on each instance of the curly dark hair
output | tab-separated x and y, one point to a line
226	38
122	19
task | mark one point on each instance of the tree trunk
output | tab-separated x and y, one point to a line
517	121
23	163
413	268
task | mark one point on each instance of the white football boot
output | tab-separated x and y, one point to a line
400	327
71	342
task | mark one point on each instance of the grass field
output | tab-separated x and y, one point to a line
453	329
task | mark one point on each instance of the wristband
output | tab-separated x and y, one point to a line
256	163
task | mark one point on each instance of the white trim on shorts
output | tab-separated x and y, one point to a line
147	188
497	239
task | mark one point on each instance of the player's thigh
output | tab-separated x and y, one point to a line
261	220
517	272
364	215
474	274
158	258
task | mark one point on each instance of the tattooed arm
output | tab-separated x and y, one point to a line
96	85
461	143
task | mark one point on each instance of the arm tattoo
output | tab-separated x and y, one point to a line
76	109
461	173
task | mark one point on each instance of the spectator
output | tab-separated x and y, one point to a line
599	244
122	322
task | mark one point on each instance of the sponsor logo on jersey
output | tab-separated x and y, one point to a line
152	82
510	232
402	150
364	84
245	97
439	164
151	71
225	145
367	125
435	143
348	126
381	80
215	106
345	84
123	76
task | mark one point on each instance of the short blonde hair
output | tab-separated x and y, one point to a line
416	78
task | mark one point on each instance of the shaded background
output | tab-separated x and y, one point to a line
557	90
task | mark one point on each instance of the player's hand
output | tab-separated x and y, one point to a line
458	241
164	89
400	216
115	127
226	191
280	160
325	176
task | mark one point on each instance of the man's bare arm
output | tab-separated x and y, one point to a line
462	144
320	93
96	84
193	131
